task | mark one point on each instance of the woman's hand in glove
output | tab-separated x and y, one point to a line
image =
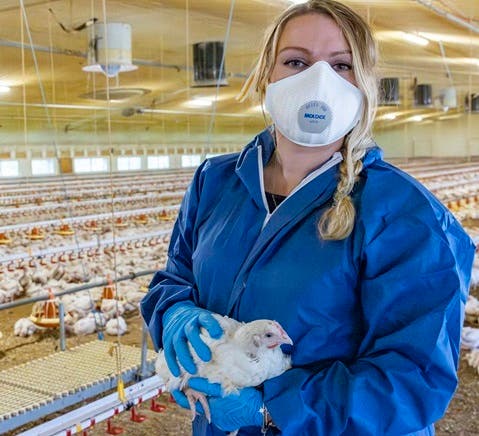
182	326
230	412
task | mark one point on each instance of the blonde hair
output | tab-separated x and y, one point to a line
338	220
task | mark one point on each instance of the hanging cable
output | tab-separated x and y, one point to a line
24	93
48	117
120	386
51	128
222	65
444	60
50	124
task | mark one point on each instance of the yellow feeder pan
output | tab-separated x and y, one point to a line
35	234
64	230
120	223
163	216
141	219
144	288
92	226
4	239
45	314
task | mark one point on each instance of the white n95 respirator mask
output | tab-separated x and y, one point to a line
314	107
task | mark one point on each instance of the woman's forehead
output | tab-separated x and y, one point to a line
313	32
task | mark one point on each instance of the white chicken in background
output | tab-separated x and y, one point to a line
116	326
132	300
474	276
245	356
11	289
111	308
5	297
472	310
24	327
85	326
80	305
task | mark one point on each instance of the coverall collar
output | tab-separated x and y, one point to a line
248	162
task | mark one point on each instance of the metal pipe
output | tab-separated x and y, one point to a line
99	410
61	315
86	218
139	110
83	246
144	352
24	301
42	48
428	4
81	54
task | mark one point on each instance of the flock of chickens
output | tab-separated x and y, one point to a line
135	237
42	258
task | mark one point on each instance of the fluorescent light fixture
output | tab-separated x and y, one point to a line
199	102
417	118
431	36
415	39
390	116
4	89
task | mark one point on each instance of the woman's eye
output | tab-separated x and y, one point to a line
341	67
296	63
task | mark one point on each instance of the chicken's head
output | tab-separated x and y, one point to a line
270	334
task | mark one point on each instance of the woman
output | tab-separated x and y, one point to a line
366	271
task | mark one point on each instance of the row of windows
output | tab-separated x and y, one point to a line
42	167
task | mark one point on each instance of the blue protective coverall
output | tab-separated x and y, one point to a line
375	318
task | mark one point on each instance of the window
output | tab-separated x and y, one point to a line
129	163
9	168
90	164
190	160
43	167
158	162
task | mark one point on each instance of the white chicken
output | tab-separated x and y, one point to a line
246	355
116	326
84	326
24	327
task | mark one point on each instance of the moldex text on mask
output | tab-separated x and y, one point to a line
315	116
315	107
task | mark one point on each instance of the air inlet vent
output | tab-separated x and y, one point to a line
389	91
207	58
423	95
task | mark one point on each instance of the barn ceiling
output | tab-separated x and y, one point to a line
51	96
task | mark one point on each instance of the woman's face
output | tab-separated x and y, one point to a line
308	39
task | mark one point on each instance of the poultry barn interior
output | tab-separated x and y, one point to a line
94	163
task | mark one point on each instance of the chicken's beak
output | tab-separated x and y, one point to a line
285	339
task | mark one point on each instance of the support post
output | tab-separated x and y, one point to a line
61	314
144	350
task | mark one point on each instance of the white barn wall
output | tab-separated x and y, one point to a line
449	138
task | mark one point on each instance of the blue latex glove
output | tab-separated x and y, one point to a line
230	412
182	323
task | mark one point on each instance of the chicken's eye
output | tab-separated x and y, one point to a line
268	335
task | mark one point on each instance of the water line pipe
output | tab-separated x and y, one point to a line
451	17
24	301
